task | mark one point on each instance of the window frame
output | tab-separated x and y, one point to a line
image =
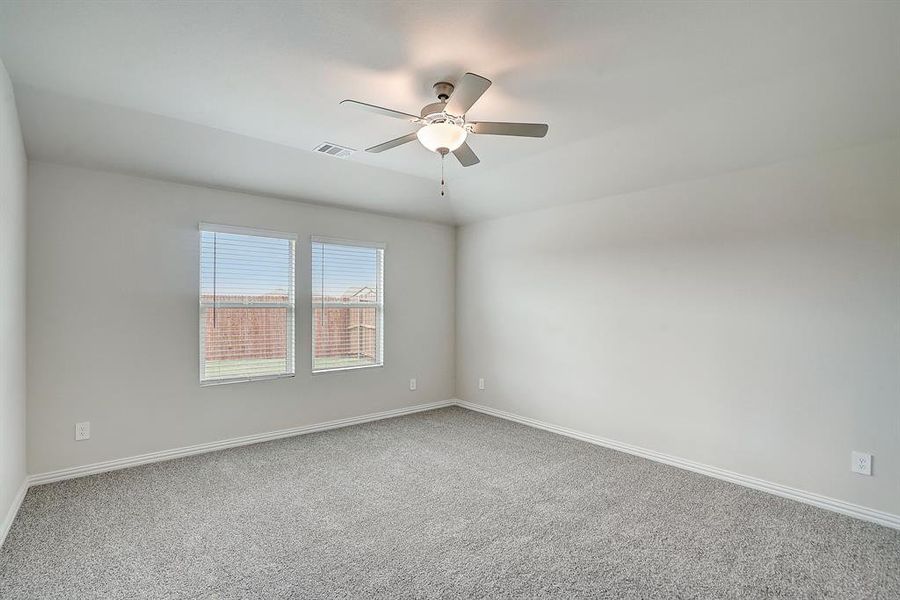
291	306
379	304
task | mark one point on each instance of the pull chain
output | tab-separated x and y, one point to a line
443	156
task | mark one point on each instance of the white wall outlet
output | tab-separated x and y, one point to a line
82	431
412	384
861	462
481	383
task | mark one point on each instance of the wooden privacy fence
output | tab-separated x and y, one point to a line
259	332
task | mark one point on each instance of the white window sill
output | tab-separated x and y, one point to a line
210	382
339	369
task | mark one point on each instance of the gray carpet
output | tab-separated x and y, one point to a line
445	504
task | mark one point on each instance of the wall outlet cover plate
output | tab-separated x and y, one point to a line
82	431
861	462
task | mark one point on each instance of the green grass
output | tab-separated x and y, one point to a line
260	367
243	367
341	362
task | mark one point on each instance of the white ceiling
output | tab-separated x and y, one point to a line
637	95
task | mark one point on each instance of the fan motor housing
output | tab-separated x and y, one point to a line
434	113
433	109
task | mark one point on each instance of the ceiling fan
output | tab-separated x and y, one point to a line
443	127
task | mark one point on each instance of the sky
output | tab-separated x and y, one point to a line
233	264
337	269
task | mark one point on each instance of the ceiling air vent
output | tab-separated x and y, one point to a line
335	150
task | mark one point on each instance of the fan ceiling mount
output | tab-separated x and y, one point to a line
443	127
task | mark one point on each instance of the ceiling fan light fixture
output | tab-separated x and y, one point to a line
443	124
442	136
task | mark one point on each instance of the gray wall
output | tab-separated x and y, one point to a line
747	321
12	300
113	318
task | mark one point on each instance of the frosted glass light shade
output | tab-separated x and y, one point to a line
442	135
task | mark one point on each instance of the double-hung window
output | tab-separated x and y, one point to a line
347	304
246	304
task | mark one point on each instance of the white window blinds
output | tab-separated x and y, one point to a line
348	304
246	304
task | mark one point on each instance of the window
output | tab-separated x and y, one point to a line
348	305
246	304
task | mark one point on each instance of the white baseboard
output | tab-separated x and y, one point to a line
832	504
151	457
10	515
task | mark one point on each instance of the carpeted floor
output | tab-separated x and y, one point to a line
445	504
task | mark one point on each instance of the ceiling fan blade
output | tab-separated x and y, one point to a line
383	111
466	156
393	143
520	129
466	93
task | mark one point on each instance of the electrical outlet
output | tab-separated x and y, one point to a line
412	384
481	383
861	462
82	431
